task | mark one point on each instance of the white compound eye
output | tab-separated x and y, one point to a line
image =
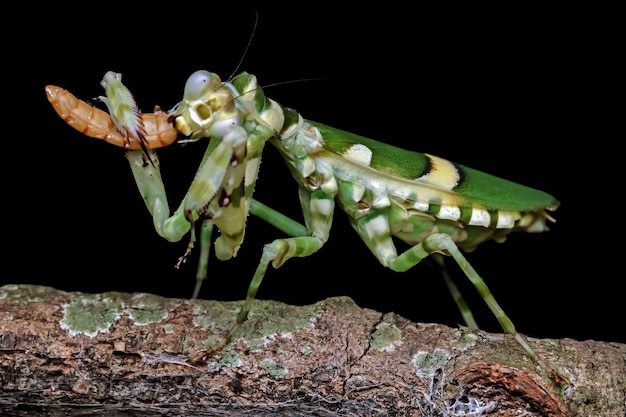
199	83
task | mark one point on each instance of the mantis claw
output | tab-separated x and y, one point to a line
124	112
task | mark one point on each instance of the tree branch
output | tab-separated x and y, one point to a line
129	354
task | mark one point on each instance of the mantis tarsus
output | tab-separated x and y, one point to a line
435	206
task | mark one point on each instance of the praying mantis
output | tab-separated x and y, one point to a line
435	206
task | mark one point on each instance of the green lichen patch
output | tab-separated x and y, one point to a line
269	320
385	337
466	339
92	313
427	363
214	315
217	318
24	294
229	358
273	369
146	309
89	314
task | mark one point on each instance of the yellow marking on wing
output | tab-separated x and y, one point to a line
443	173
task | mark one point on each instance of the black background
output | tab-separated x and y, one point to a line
503	91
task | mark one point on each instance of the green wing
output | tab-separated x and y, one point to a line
481	188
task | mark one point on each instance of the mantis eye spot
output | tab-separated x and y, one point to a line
197	84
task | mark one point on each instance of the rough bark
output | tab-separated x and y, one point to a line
129	354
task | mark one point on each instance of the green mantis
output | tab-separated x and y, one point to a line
435	206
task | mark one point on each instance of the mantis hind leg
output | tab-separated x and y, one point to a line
443	243
464	309
375	230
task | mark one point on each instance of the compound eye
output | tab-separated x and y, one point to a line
199	83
